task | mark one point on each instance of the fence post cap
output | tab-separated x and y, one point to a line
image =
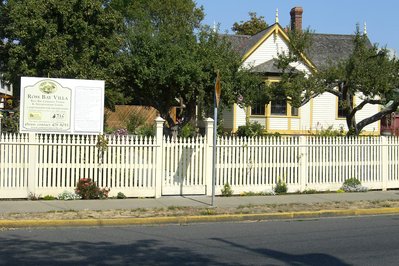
159	119
208	119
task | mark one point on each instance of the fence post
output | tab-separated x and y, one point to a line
159	157
208	155
384	162
303	162
32	170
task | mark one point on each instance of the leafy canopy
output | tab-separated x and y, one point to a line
171	59
250	27
61	39
369	73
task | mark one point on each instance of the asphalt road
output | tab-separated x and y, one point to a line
333	241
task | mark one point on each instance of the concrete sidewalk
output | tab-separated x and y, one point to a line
24	206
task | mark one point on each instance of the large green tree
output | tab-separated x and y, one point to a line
250	27
61	39
369	73
169	56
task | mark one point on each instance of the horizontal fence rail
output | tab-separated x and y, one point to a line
48	164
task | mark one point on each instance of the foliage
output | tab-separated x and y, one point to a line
137	125
49	197
120	132
309	191
251	27
251	129
169	55
353	185
135	121
120	195
330	132
67	195
352	182
368	71
226	190
102	143
10	122
88	189
281	187
62	39
250	193
33	196
208	212
187	131
146	130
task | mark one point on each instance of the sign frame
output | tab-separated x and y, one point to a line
61	106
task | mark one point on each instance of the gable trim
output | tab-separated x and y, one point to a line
277	29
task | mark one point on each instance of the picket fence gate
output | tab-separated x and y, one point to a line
48	164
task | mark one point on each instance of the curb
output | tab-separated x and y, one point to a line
196	219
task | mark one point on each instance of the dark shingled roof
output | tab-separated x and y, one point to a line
243	43
267	67
325	49
329	49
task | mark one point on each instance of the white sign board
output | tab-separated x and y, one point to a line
65	106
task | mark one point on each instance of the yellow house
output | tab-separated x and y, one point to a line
260	52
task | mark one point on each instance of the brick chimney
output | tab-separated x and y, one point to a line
296	18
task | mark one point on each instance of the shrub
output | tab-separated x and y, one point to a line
49	197
330	132
121	132
33	196
250	130
352	182
353	185
135	121
88	189
187	131
120	195
281	187
146	130
226	190
66	195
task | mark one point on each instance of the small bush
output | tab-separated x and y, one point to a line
146	130
226	190
66	195
330	132
281	187
353	185
49	197
187	131
88	189
33	196
135	121
309	191
352	182
250	130
120	195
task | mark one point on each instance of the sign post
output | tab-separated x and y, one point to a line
1	116
215	119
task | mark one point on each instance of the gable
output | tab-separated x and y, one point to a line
262	51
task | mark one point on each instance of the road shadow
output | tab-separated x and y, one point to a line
17	251
310	259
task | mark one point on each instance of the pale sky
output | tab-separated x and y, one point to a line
322	16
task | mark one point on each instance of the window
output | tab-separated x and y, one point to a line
258	108
294	111
281	107
278	107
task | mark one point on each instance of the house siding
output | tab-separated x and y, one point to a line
228	118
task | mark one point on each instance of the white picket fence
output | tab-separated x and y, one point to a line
151	167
